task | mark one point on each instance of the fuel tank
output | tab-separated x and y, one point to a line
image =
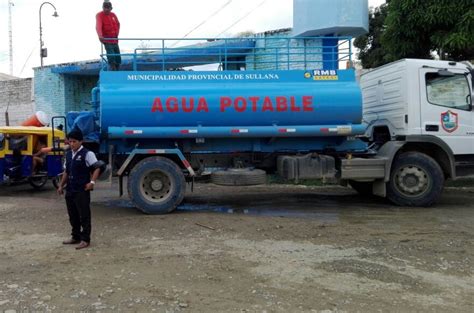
229	99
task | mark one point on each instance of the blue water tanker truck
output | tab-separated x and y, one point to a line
238	109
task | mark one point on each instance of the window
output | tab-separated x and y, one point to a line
17	142
448	91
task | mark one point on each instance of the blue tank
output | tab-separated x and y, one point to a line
156	101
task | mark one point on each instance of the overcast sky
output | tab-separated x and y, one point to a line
71	37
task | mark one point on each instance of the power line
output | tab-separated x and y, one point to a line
28	58
205	21
243	17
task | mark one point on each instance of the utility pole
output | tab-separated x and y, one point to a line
44	51
10	34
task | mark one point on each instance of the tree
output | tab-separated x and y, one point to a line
372	52
415	28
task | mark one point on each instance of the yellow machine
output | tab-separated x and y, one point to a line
30	154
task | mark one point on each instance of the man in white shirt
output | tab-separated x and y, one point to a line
79	183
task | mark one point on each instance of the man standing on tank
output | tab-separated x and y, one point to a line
108	28
79	183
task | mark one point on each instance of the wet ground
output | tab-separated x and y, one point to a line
271	248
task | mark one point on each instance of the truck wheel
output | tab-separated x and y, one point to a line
362	187
416	180
156	185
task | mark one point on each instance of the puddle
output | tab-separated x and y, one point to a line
258	211
296	212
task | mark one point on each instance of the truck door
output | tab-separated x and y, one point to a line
446	108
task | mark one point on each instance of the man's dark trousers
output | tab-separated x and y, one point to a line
79	210
113	55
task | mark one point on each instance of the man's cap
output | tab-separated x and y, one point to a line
75	134
107	4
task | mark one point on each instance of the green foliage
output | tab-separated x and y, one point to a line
416	28
372	52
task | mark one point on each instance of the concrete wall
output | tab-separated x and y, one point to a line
273	54
49	92
78	92
16	96
58	94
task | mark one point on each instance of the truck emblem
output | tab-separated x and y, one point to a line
449	121
322	75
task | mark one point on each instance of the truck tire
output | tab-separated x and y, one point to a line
156	185
362	187
416	179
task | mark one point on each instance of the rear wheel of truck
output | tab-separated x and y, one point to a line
156	185
416	180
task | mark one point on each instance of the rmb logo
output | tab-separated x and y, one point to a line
322	75
449	121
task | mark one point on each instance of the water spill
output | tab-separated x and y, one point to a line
330	217
260	210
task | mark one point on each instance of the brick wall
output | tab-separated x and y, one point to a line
58	94
17	96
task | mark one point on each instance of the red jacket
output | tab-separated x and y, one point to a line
107	26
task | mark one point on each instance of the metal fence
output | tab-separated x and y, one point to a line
250	53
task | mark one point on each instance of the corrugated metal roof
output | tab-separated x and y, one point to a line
7	77
199	54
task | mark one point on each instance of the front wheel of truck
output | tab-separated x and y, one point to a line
416	179
156	185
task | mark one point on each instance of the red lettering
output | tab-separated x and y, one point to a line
225	103
240	108
308	104
254	101
282	104
202	105
191	105
294	108
157	106
267	105
172	105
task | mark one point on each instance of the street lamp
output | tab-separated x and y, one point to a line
44	51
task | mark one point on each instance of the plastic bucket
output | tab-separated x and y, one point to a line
38	119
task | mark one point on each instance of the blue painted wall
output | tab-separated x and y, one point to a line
57	94
330	17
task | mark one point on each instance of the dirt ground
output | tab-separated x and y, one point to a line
273	248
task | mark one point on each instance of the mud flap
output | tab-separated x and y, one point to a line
121	185
379	188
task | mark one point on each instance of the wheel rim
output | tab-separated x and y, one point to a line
412	181
156	186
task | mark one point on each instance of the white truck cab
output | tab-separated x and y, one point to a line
420	118
422	97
